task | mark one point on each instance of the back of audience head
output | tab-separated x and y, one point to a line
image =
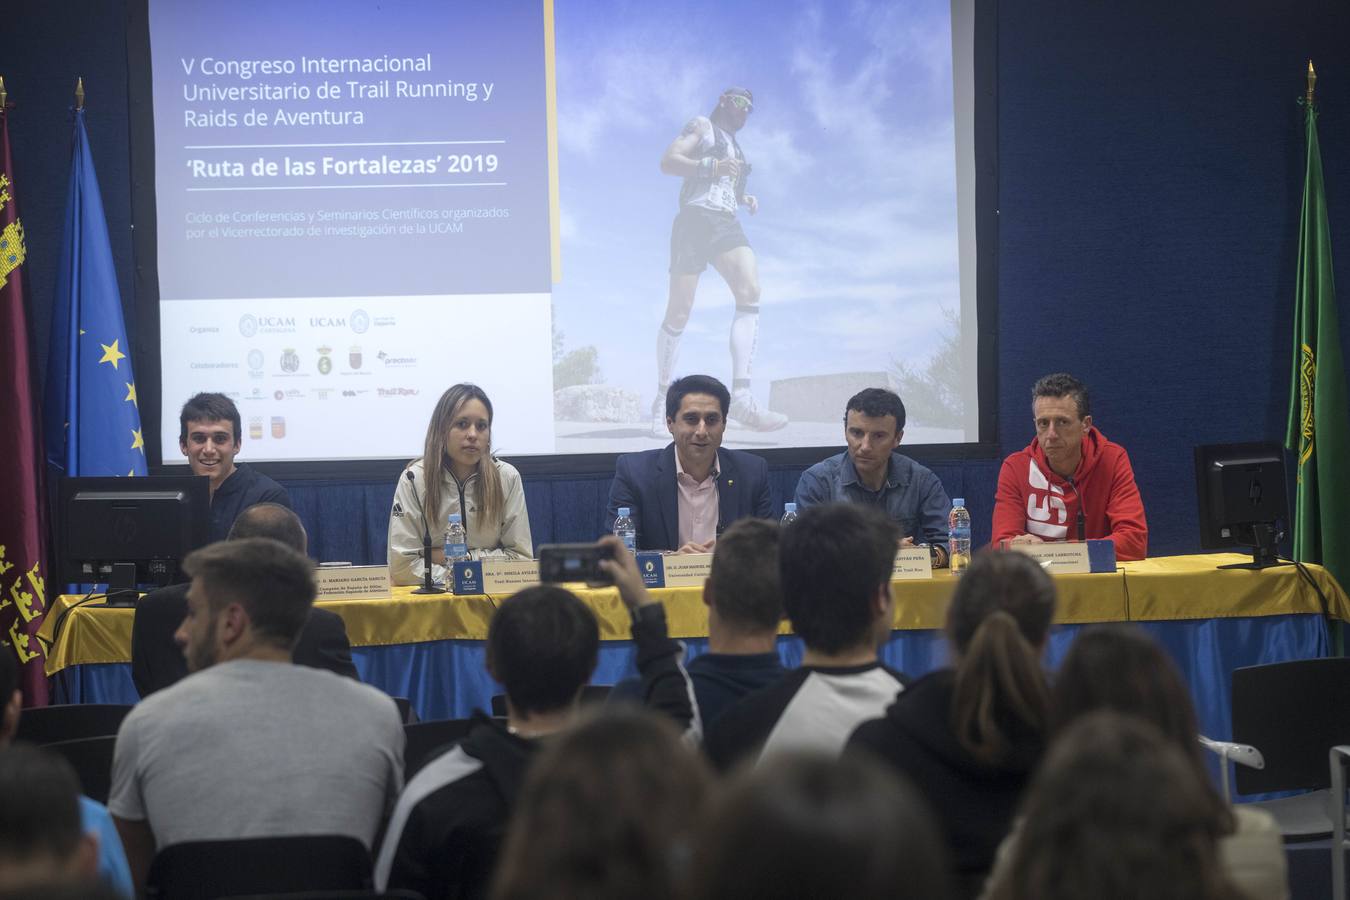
1115	813
997	624
743	587
542	646
607	811
41	838
1120	668
271	584
802	826
836	562
271	520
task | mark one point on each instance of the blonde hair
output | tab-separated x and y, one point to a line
436	456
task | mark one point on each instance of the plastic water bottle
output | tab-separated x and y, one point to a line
789	514
623	527
958	545
456	550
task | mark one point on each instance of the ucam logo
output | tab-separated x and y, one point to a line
327	322
360	321
248	326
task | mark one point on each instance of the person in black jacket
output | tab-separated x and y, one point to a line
542	645
157	661
969	737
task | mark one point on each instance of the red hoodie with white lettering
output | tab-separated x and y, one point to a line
1032	499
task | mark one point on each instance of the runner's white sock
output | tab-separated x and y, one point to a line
744	336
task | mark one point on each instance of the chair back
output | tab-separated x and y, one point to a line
209	870
69	721
92	759
1294	713
424	739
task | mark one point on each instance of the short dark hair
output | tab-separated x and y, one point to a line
696	384
40	815
273	583
542	645
875	403
1062	384
832	560
207	407
803	825
271	520
745	585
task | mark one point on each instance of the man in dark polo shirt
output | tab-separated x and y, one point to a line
209	435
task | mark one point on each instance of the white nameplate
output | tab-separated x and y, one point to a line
353	582
1058	558
687	569
506	576
912	564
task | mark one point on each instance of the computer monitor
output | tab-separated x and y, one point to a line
1243	500
131	531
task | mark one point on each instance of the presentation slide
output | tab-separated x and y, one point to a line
570	203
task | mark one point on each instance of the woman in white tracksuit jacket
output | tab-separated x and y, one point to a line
465	479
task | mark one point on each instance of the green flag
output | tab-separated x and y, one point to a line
1319	420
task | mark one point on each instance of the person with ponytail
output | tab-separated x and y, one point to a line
463	478
970	736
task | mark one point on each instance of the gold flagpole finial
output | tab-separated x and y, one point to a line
4	96
1312	80
79	93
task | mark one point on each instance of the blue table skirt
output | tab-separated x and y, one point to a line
448	679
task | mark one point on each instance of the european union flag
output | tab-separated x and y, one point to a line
93	423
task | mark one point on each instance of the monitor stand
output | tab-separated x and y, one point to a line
122	585
1265	554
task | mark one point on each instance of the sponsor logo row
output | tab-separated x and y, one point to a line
358	320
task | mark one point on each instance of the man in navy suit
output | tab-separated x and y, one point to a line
683	496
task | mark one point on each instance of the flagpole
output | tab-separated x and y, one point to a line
1312	80
79	93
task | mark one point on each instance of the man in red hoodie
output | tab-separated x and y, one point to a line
1070	483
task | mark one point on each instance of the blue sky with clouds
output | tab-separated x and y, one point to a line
854	166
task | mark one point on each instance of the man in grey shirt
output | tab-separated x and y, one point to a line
871	472
250	745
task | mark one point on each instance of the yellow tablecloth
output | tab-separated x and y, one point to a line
1162	589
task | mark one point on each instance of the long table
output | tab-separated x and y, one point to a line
430	648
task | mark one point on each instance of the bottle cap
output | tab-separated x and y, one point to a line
454	517
624	511
958	501
789	507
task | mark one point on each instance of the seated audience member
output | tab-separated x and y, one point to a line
1116	813
835	562
251	745
1070	483
606	813
42	840
94	818
801	827
542	646
209	436
969	737
745	606
873	472
683	496
1120	668
157	660
457	474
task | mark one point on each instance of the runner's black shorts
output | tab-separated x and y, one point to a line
701	235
